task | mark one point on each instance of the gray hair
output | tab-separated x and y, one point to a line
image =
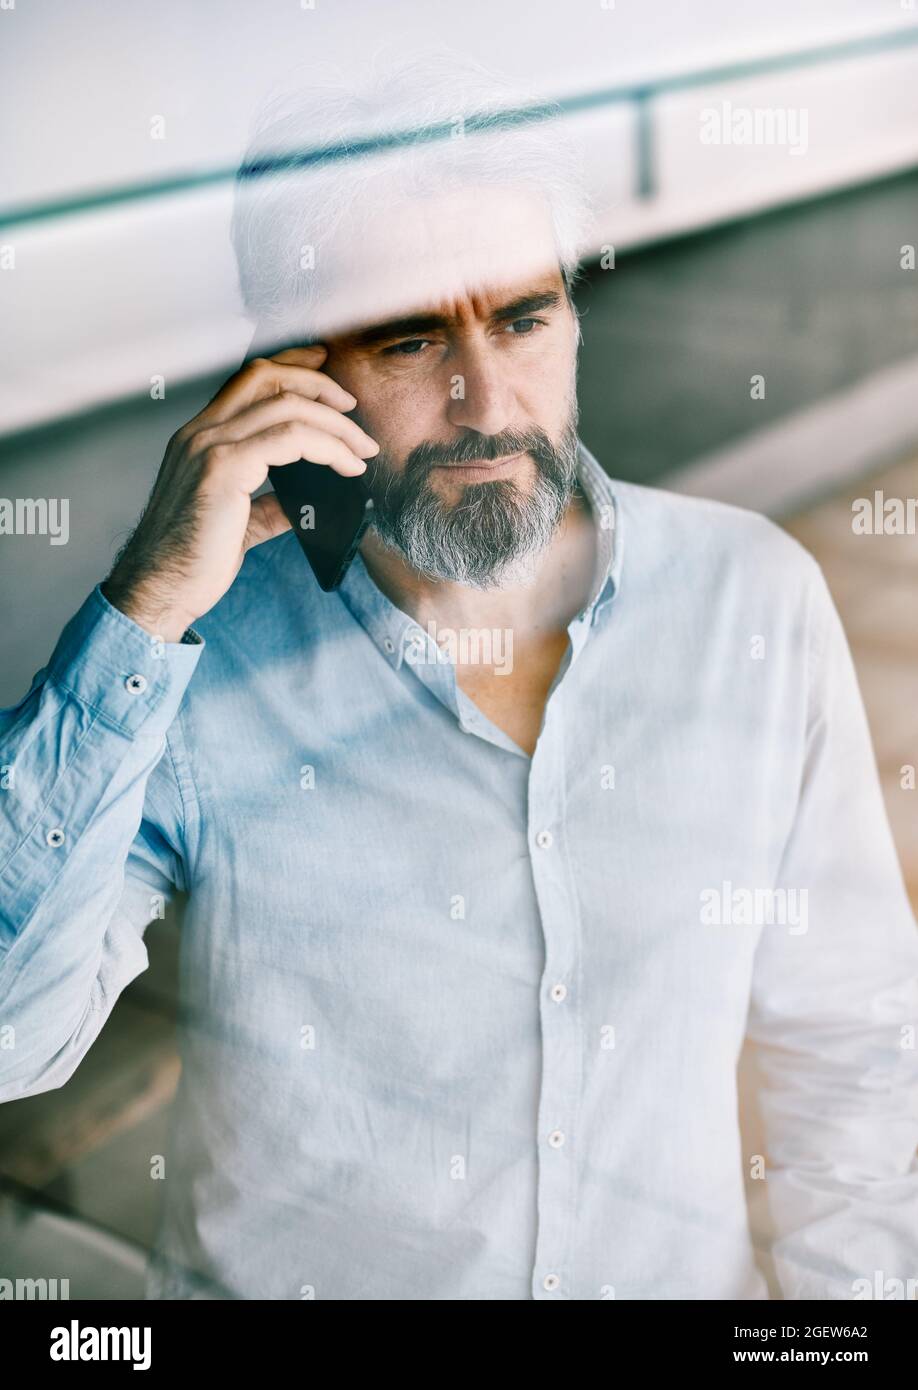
331	151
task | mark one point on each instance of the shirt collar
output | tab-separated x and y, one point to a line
607	517
392	629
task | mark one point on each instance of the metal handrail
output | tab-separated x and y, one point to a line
641	94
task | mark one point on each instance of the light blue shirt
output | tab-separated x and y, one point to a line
458	1023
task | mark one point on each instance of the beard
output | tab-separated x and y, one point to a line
491	535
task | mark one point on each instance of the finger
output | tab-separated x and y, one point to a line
245	464
309	355
289	405
267	520
262	378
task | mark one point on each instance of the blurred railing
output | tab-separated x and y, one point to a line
179	316
640	95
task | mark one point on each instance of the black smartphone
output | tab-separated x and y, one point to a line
329	514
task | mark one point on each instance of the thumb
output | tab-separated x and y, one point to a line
266	520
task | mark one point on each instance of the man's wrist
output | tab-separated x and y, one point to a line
165	623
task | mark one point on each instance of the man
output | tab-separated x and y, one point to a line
477	925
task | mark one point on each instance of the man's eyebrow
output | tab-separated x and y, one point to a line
414	325
527	304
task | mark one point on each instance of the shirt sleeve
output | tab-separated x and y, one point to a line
834	1011
92	835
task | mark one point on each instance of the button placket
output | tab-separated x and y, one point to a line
560	1027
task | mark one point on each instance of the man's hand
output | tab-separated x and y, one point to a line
201	517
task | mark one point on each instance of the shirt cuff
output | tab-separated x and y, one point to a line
130	677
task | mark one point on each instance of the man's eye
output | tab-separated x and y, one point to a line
409	348
413	347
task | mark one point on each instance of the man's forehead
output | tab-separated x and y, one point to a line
439	255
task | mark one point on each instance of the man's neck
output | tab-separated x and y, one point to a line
556	588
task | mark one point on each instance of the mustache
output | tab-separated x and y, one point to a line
393	487
476	448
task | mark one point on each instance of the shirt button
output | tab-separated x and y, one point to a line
558	992
55	837
550	1282
135	685
544	839
556	1138
389	644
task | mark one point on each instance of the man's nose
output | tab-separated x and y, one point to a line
480	394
